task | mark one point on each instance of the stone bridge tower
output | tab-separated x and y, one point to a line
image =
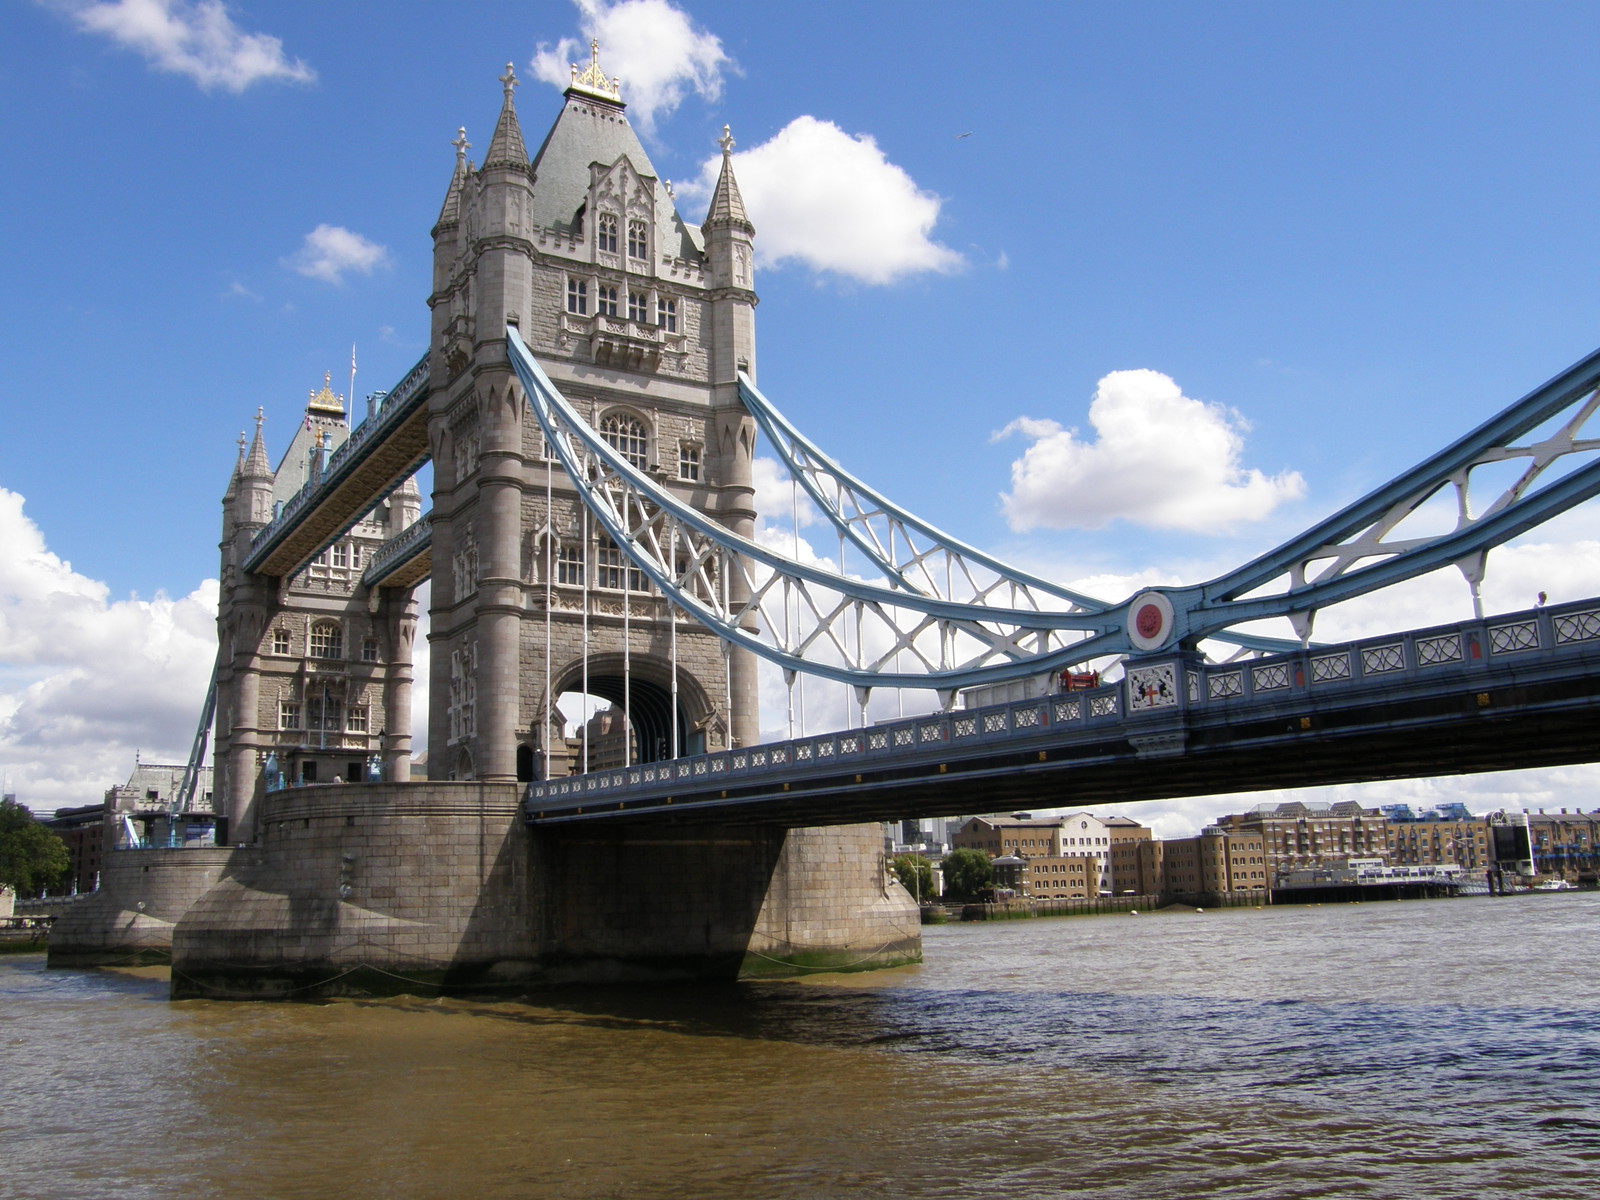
644	323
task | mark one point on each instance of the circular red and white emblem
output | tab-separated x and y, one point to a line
1149	621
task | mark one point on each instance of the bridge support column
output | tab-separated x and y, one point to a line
238	794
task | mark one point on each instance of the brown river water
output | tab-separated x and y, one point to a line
1410	1050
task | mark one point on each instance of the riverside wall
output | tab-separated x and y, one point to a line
434	887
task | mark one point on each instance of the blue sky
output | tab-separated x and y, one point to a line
1344	233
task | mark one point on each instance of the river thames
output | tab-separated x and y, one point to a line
1411	1050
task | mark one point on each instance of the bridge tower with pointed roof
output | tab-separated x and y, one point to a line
645	322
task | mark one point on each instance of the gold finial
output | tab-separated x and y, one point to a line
325	401
592	79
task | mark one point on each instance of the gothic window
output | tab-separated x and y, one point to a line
612	568
327	640
578	296
325	714
667	315
606	233
356	719
288	714
628	437
280	640
636	243
638	307
688	461
569	566
369	650
605	301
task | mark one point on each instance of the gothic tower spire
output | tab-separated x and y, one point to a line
727	205
506	148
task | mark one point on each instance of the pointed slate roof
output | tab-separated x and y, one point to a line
255	463
450	212
506	147
238	468
593	129
727	205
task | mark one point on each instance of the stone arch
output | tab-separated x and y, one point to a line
650	681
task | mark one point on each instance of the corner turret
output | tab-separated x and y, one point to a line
730	271
252	503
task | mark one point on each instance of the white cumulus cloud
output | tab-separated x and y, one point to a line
86	681
198	40
330	251
1158	458
834	202
652	46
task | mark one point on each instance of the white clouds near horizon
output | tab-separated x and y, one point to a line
198	40
329	252
86	681
1158	458
652	46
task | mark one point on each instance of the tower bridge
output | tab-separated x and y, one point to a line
589	403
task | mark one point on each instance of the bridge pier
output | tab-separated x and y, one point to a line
440	887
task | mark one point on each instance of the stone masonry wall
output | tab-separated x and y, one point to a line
130	917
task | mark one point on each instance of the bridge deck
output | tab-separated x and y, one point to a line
1508	692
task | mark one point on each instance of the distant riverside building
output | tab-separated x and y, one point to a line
610	740
1128	838
1564	844
83	829
1437	838
1059	858
1215	861
1299	835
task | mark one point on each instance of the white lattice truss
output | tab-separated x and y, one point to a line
807	618
946	616
1524	466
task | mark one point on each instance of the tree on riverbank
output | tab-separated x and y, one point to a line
31	856
915	874
966	873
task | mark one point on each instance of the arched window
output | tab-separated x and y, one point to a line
636	241
627	435
327	640
606	233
